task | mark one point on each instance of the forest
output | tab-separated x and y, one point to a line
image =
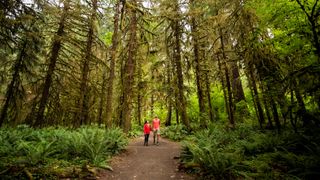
237	82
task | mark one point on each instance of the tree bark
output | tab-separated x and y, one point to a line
111	78
230	99
169	114
266	107
223	86
198	73
13	84
236	83
56	46
169	100
84	87
176	107
208	90
302	112
275	114
228	84
256	97
139	96
139	112
152	105
292	120
129	70
177	61
102	98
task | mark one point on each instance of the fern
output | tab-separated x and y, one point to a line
36	153
57	147
175	132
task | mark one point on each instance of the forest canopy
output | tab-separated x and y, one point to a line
196	64
74	63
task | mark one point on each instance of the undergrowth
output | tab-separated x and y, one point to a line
247	153
56	152
175	132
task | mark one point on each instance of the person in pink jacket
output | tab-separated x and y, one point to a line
156	129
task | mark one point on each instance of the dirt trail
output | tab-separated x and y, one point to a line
151	162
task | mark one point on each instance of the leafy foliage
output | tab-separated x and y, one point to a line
135	131
175	132
249	153
57	148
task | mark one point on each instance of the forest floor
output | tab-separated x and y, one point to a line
153	162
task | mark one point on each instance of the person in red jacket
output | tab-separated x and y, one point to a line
146	131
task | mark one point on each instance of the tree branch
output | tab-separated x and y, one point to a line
303	9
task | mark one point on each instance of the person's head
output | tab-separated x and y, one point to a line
146	122
155	116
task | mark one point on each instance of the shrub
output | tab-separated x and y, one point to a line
45	150
247	153
175	132
136	130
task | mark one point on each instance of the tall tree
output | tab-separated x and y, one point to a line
176	27
84	91
129	69
229	98
236	83
54	53
113	53
28	46
22	34
197	64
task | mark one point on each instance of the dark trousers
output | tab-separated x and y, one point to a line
146	139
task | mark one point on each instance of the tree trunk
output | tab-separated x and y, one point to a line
169	99
256	97
275	114
139	96
223	86
236	83
226	71
152	105
267	104
292	121
102	98
302	112
139	104
198	74
177	61
113	51
56	46
177	116
13	84
208	90
230	100
129	70
169	114
84	87
266	107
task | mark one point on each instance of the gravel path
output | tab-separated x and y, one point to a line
151	162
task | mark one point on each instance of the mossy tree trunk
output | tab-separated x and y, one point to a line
55	49
129	70
182	106
113	56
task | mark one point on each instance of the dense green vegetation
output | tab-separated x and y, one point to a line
57	152
248	153
237	80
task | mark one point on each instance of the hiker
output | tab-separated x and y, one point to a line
156	129
146	131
